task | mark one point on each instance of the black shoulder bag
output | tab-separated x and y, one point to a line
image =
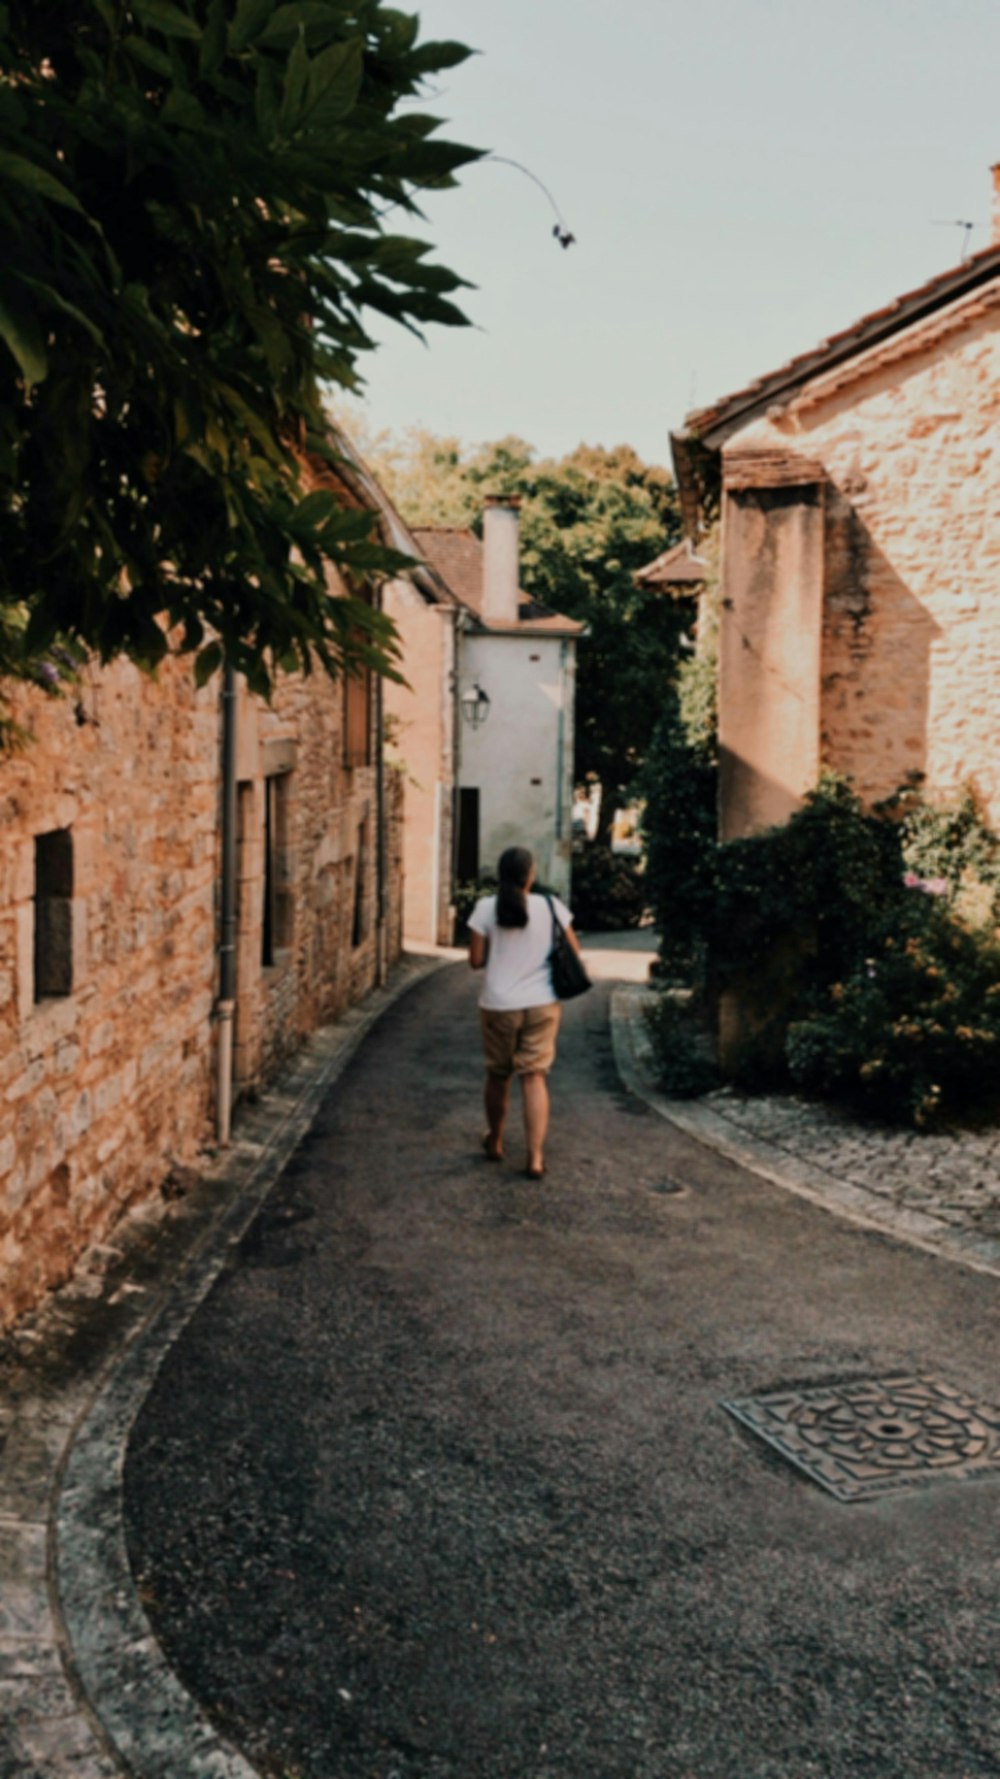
569	978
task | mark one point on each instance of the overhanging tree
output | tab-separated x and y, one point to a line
197	210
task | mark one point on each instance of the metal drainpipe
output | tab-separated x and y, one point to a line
461	626
561	751
381	847
226	1004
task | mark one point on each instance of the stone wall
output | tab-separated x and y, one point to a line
108	975
769	654
423	739
910	645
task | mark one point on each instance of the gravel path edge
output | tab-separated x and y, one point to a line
843	1198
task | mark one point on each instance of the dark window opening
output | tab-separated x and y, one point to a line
244	829
360	927
53	943
467	849
276	926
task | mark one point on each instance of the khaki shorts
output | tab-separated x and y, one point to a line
521	1043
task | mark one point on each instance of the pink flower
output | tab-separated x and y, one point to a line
928	886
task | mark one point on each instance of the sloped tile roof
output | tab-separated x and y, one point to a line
456	554
458	558
715	423
677	567
359	489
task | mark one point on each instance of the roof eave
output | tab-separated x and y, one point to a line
714	425
686	450
569	628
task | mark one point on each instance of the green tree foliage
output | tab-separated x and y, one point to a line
588	522
679	789
859	947
195	198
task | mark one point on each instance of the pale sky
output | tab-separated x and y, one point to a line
743	177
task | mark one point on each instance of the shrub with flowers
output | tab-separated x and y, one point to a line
862	949
913	1032
886	927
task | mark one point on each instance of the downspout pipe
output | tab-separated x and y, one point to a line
226	1005
461	627
559	852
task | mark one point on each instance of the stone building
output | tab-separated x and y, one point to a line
513	669
475	785
423	737
110	863
859	489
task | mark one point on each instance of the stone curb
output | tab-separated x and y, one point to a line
84	1687
633	1059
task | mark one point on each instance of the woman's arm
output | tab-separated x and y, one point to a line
566	922
478	947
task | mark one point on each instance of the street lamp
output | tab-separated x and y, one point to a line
475	705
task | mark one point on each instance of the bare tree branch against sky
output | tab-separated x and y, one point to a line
742	177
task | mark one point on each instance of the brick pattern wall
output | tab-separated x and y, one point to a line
105	1089
102	1089
911	627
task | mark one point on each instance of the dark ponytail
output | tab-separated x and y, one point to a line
514	870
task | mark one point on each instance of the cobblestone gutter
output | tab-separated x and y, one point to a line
84	1689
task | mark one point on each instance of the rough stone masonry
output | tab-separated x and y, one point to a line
109	901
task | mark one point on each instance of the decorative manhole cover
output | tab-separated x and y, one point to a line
863	1439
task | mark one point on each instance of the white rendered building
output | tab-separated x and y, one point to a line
515	686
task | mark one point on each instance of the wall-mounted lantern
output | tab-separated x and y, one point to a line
475	705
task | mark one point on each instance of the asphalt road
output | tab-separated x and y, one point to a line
437	1484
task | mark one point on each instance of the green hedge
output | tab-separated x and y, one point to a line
856	951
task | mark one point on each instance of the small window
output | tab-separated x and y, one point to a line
276	927
357	718
467	848
53	942
360	929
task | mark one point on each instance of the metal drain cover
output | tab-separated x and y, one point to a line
863	1439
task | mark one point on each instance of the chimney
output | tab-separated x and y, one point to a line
995	234
500	558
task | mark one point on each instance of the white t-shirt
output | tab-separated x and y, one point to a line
517	962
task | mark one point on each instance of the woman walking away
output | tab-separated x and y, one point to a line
511	938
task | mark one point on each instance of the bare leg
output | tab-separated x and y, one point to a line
535	1094
497	1098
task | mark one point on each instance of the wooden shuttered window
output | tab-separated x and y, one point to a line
358	718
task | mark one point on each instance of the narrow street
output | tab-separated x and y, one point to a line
437	1483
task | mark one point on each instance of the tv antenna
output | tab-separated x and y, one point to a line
966	238
560	231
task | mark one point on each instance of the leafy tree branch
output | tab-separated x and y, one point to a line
193	228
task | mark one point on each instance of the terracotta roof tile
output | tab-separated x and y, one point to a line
677	567
457	556
359	490
712	424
